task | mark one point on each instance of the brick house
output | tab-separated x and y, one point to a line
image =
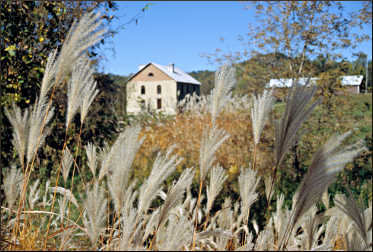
159	88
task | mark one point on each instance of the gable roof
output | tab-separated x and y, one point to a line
351	80
289	82
177	75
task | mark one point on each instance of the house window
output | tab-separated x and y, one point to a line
142	104
159	89
142	89
159	103
150	74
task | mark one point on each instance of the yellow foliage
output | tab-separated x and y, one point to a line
185	131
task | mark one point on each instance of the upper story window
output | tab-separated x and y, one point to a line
159	89
142	89
150	74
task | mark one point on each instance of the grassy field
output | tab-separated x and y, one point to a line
220	178
351	112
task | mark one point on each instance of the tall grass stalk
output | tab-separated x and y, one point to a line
80	37
55	192
286	129
88	93
117	215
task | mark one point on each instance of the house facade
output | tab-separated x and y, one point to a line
159	88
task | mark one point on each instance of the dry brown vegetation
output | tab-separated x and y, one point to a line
117	212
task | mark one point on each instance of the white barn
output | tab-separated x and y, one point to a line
351	83
159	88
287	83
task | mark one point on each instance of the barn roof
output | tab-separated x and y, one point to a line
351	80
289	82
177	74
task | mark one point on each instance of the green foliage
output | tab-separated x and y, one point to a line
320	126
100	127
206	78
30	30
291	39
121	101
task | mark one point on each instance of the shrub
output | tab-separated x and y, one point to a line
115	212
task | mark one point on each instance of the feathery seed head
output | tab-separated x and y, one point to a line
50	72
119	160
175	195
217	179
66	194
225	79
81	78
210	143
248	182
349	207
296	112
82	35
163	166
95	214
260	110
13	180
326	164
67	161
20	125
38	131
89	94
92	157
34	194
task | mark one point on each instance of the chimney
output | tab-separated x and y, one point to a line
171	67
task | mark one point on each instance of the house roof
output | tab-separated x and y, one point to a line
289	82
177	75
352	80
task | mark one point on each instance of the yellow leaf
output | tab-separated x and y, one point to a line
41	39
10	48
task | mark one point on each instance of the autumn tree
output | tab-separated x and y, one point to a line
287	35
294	39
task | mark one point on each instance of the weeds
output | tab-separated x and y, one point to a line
115	213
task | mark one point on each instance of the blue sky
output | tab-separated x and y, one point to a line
179	32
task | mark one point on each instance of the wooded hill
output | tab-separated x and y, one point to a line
254	73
